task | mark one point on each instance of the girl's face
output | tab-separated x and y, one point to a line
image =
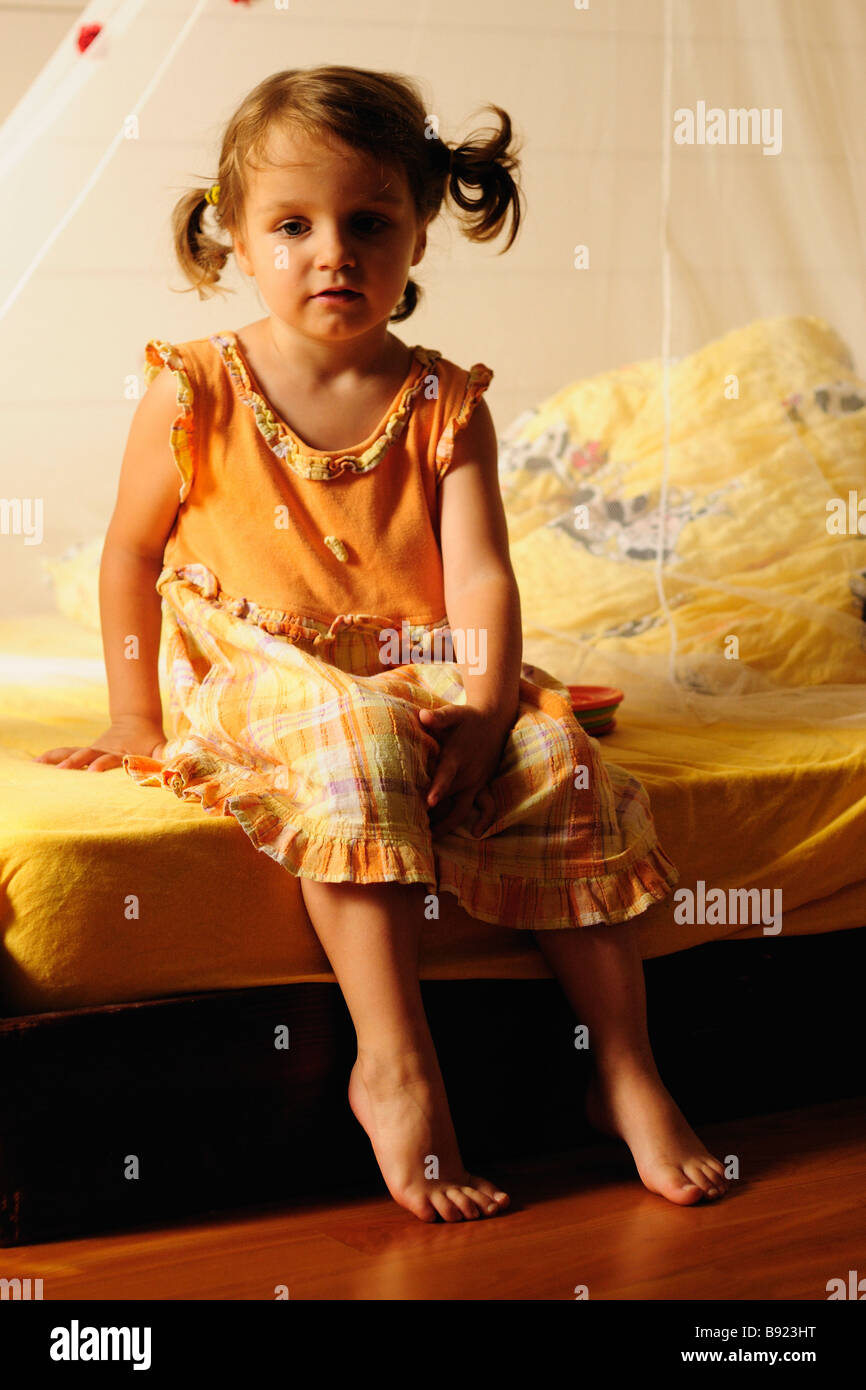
322	216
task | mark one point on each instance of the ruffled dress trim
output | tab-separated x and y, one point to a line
645	876
204	776
286	445
549	905
479	379
159	354
296	626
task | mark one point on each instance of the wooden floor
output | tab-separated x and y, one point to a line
796	1218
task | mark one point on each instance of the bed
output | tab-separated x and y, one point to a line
735	807
756	768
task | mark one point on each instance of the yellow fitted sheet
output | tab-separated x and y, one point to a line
112	892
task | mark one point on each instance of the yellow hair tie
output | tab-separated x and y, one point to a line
213	193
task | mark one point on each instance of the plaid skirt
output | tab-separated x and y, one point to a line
298	731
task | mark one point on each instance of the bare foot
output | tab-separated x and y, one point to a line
401	1103
668	1155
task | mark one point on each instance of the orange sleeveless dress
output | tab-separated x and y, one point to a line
285	567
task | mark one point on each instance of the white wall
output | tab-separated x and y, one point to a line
747	235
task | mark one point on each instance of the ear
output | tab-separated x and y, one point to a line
241	256
420	243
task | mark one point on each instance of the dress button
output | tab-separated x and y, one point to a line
336	545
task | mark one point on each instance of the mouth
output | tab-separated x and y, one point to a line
339	296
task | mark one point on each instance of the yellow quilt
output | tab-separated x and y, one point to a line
109	893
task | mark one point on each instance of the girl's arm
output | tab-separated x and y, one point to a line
481	595
130	607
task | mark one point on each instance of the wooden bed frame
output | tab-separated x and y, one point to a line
219	1118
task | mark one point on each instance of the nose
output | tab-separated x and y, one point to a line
333	247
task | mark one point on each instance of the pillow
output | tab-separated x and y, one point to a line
767	425
74	577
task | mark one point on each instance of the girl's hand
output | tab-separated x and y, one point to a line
138	736
471	744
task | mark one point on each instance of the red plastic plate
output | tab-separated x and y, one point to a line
588	698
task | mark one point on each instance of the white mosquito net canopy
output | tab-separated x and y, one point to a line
678	334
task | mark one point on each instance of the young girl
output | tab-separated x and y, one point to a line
338	523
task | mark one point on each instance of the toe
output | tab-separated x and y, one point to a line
718	1170
716	1186
491	1193
483	1201
695	1173
423	1208
717	1181
445	1207
461	1199
677	1184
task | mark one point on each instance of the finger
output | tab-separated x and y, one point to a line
431	725
486	812
443	717
458	815
481	810
104	762
79	757
53	755
443	809
442	780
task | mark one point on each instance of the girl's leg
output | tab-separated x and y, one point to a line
601	971
370	934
